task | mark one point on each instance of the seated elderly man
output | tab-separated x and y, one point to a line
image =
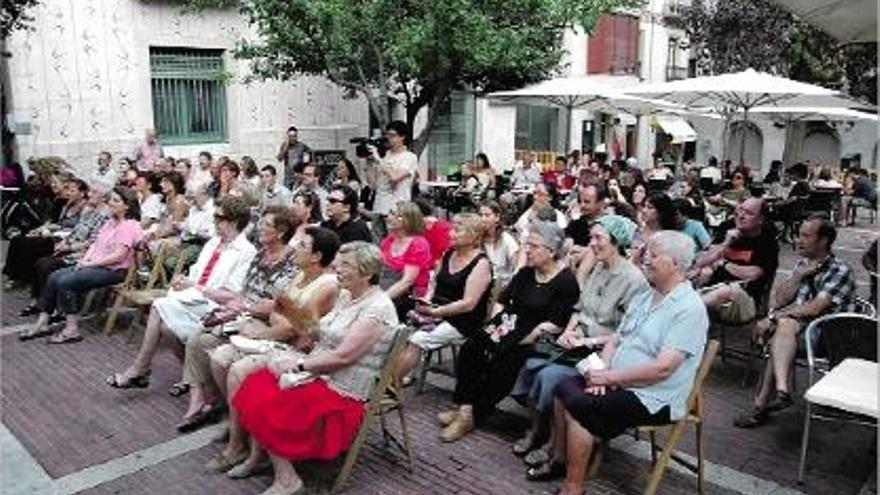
647	370
820	283
737	273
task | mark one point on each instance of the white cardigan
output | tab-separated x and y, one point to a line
231	268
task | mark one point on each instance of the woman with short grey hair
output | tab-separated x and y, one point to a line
677	246
541	296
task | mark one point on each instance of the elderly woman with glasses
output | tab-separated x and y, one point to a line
607	286
311	406
406	255
220	269
539	298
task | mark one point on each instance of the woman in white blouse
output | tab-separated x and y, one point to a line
219	270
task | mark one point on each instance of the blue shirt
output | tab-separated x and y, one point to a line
696	231
678	322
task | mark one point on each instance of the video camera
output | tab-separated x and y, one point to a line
381	143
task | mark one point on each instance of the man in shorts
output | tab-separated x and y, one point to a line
737	273
820	283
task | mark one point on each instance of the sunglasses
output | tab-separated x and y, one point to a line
335	200
218	216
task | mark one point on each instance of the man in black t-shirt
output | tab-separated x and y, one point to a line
342	203
593	200
737	274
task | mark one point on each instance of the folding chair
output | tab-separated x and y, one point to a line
675	431
438	367
384	398
141	297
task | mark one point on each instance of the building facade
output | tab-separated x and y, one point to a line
93	74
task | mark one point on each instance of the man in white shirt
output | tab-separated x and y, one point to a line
200	176
271	192
529	175
395	172
105	176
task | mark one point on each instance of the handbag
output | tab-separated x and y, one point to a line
218	316
547	347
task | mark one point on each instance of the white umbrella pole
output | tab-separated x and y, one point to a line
742	137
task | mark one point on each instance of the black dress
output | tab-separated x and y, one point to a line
487	370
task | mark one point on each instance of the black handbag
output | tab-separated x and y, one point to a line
547	348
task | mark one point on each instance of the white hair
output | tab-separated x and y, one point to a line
678	246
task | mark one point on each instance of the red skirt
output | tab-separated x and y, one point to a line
309	421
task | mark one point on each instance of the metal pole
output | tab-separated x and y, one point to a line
742	138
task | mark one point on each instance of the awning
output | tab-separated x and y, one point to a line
676	127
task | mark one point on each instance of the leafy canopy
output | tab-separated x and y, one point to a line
414	51
733	35
14	15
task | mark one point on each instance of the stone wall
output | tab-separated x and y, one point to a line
81	83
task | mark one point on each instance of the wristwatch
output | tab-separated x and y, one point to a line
300	365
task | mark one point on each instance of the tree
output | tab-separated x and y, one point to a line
415	51
733	35
13	15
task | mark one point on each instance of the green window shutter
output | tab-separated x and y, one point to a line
189	95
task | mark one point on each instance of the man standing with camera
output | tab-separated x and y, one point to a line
393	174
293	155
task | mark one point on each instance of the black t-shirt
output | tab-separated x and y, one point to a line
800	189
354	229
762	251
533	302
579	231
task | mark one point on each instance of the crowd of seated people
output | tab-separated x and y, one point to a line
621	267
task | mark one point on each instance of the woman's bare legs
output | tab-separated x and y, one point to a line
286	481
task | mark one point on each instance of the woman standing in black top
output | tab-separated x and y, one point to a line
540	297
460	300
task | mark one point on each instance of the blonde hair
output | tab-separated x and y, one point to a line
411	217
472	224
367	258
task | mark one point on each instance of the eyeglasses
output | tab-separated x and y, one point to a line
738	177
335	200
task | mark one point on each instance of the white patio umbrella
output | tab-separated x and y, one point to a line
792	115
588	93
850	21
740	92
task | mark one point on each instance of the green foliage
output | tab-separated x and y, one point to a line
417	51
14	15
733	35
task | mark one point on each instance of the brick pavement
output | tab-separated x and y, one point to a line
55	402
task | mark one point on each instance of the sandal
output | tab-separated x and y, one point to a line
207	415
35	333
755	417
537	457
61	338
31	310
178	389
548	471
137	381
220	463
523	446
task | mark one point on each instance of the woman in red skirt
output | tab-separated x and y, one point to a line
311	406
